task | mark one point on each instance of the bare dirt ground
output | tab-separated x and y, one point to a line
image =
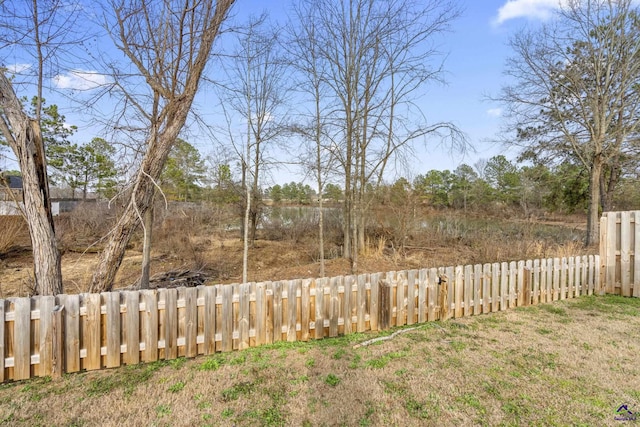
570	363
219	255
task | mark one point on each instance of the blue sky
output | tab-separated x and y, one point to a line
477	50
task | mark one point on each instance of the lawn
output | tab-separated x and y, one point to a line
572	362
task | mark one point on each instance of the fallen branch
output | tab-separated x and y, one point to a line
386	338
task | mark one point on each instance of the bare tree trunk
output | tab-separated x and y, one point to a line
146	248
25	138
609	184
320	232
593	213
245	251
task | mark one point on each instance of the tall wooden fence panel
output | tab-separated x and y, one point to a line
620	253
43	336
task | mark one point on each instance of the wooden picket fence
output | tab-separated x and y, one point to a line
620	252
43	336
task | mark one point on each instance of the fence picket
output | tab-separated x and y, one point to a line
504	285
433	283
468	290
528	291
411	296
277	311
519	283
244	315
563	278
495	286
91	331
292	309
610	250
210	320
625	254
45	347
190	296
543	280
401	311
170	333
477	289
577	279
486	288
459	291
112	302
570	274
71	332
226	319
347	309
535	291
361	298
513	283
390	279
268	306
334	307
305	301
150	325
422	295
319	303
556	279
132	327
21	336
593	270
374	282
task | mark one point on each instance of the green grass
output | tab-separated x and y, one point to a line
177	387
332	380
127	378
234	392
213	363
607	305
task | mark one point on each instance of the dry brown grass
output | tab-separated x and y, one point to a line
572	362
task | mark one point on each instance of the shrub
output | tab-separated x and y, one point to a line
14	233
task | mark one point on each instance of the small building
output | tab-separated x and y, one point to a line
10	188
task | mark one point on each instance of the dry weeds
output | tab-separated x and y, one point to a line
568	363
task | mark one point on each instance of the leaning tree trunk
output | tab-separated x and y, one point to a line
195	46
24	136
140	200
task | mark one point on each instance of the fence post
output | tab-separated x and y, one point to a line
444	297
384	305
57	336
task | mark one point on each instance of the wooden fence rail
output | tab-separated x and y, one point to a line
42	336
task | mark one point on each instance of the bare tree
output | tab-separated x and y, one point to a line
376	58
168	44
41	30
305	59
257	94
575	94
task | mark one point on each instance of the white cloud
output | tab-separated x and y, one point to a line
80	80
494	112
18	68
533	9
